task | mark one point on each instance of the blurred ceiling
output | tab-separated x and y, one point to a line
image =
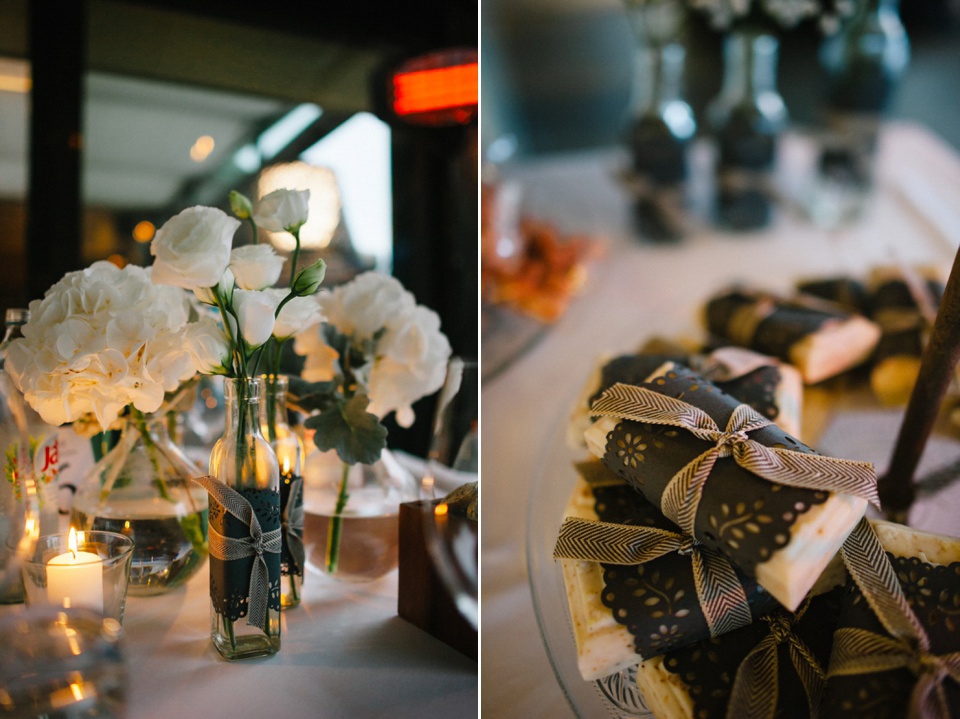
163	74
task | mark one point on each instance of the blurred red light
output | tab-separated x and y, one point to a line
435	89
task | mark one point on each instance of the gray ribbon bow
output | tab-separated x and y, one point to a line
256	545
292	522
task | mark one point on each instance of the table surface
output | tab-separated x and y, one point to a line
344	653
640	290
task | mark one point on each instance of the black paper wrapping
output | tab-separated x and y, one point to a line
933	593
847	292
291	557
894	307
708	668
744	516
656	600
757	388
230	580
767	324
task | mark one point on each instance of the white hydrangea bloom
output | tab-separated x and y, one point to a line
100	339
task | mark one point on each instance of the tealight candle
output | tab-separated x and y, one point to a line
75	579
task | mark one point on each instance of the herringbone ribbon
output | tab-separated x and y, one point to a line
860	651
721	596
681	498
755	688
292	522
256	545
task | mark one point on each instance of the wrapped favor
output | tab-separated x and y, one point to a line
896	648
774	667
771	387
820	339
655	591
849	293
904	304
730	478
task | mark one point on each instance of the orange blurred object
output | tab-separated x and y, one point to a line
540	271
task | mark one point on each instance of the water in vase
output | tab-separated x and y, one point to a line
164	555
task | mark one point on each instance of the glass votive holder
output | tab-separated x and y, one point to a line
61	664
91	570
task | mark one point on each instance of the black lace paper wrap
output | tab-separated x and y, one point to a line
291	557
933	592
776	324
708	668
757	388
895	309
744	516
230	580
657	600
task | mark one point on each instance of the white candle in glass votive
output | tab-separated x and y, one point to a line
75	579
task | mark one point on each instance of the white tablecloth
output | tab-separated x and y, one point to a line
345	653
640	290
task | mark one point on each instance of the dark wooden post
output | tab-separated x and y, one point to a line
54	205
897	490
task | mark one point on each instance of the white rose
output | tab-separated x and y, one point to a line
208	346
192	249
283	210
297	316
255	266
320	363
224	288
255	313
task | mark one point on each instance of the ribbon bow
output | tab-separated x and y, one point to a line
755	692
860	651
681	498
719	591
291	521
256	545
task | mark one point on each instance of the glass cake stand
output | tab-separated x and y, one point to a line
614	696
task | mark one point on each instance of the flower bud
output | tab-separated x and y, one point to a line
240	205
309	279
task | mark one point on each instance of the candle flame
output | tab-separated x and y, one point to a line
77	690
441	509
72	542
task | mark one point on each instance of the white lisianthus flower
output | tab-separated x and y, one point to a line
406	351
208	346
100	339
192	248
283	210
255	313
224	287
255	266
296	316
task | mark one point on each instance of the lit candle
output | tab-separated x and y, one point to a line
75	578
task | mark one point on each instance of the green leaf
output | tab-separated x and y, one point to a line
348	428
311	396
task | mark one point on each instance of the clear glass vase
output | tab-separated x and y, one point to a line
747	119
351	515
244	461
289	449
142	489
863	61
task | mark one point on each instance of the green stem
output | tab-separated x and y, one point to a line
336	522
190	523
271	408
296	256
239	363
256	233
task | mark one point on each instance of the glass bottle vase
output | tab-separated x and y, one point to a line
352	513
747	118
290	458
142	488
244	461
